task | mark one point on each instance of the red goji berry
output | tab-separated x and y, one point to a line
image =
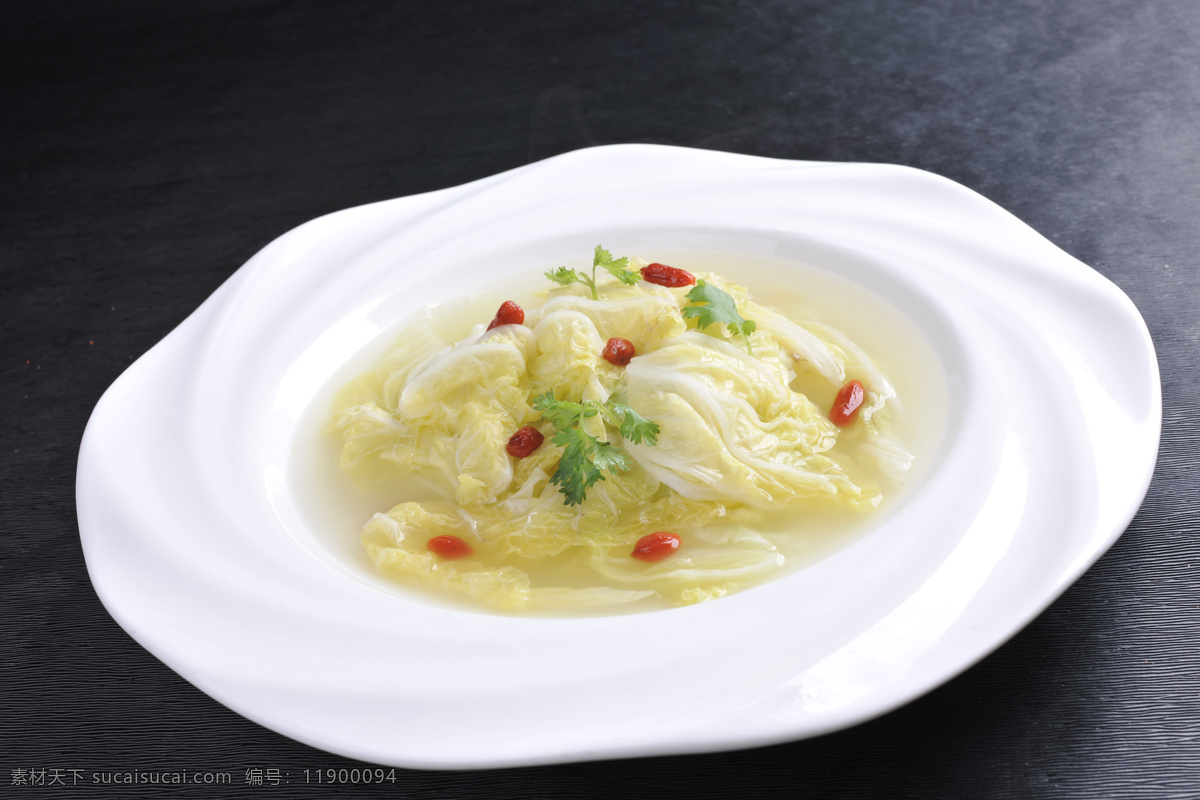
655	546
509	314
449	547
845	405
663	275
524	441
619	351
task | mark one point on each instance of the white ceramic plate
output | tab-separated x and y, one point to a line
199	548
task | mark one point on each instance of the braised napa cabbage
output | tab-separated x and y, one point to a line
716	437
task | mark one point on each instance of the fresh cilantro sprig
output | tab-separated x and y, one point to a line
617	267
585	458
714	306
633	426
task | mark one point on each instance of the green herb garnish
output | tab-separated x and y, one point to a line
585	458
602	258
714	306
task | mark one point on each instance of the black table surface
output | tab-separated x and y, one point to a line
149	149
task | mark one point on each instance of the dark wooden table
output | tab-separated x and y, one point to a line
148	149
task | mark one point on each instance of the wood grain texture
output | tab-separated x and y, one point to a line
148	150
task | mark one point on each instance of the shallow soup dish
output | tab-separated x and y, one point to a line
220	534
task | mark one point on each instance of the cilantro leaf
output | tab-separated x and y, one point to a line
714	306
617	267
562	414
576	473
563	276
585	458
633	425
610	457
